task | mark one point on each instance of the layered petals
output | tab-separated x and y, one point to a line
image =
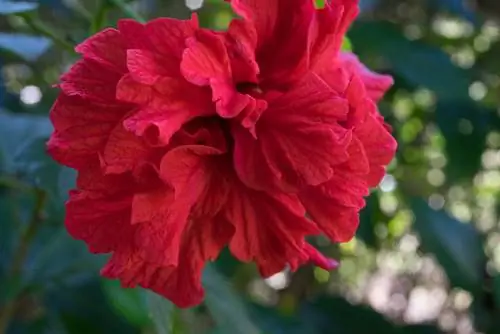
282	60
188	140
181	284
206	63
277	242
298	140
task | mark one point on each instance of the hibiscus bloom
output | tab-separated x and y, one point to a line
188	140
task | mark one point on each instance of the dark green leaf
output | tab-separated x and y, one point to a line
162	311
421	329
128	302
407	58
59	260
83	309
464	126
337	315
32	163
16	131
225	306
457	246
368	217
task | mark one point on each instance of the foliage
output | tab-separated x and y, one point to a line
428	236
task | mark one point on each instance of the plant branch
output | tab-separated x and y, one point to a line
13	183
8	311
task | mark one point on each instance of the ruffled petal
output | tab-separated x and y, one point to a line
168	36
99	213
241	42
91	81
202	242
338	222
298	139
164	107
106	48
379	145
134	34
282	60
81	129
376	85
269	228
123	151
328	30
335	204
192	177
206	63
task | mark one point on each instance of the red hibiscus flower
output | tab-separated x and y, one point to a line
188	140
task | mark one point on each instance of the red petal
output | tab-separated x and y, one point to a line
298	140
134	34
81	129
107	48
163	214
147	68
335	204
168	35
282	59
167	105
241	41
123	151
161	225
328	30
100	214
376	85
206	63
337	221
269	228
92	81
379	145
202	242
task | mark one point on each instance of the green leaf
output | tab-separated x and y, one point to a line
319	3
346	44
227	309
420	329
162	311
8	7
83	309
128	302
16	130
368	217
464	126
57	259
35	167
341	317
457	246
407	58
33	164
28	47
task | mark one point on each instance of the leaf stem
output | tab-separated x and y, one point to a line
8	311
125	8
99	19
13	183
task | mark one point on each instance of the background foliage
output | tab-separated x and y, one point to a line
427	254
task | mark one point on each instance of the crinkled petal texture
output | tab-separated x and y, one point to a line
187	141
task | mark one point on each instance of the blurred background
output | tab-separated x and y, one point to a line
427	254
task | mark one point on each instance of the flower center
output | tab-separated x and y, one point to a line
249	88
